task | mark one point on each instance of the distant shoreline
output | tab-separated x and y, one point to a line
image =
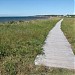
23	18
28	18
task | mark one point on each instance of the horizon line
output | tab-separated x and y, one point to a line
33	15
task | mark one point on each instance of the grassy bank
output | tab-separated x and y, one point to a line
68	27
20	43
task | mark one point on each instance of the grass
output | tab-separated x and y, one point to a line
68	27
20	43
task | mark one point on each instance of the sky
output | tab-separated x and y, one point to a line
36	7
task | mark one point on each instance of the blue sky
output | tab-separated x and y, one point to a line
35	7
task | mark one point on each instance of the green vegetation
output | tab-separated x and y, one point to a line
68	27
20	43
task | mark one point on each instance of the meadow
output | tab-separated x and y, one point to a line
20	43
68	27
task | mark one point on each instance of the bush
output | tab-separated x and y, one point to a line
10	68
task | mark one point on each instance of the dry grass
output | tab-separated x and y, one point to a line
68	27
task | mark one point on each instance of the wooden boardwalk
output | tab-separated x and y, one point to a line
58	52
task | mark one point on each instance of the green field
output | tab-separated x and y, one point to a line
68	27
20	43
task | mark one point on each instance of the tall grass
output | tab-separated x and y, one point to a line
20	43
68	27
